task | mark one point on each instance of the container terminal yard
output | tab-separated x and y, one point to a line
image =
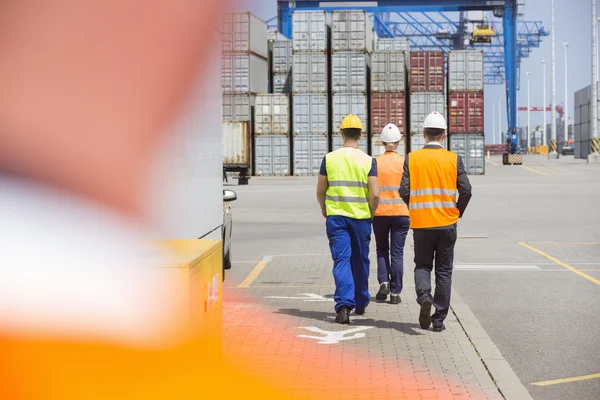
200	199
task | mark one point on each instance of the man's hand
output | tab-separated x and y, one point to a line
324	212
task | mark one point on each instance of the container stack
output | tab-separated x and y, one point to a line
427	91
388	90
465	101
245	68
272	135
351	47
310	88
281	66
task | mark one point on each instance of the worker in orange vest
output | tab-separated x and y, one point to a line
391	220
431	179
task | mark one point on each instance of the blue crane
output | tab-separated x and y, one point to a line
513	41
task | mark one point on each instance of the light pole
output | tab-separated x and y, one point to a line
500	120
545	130
566	134
528	114
553	153
494	123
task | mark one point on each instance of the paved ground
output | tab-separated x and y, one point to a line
526	282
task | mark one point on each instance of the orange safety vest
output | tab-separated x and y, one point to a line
433	176
390	166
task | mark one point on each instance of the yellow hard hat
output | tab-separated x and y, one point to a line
351	121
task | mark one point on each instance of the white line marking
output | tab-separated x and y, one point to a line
334	337
310	297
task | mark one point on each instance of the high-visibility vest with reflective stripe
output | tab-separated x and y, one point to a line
433	175
348	175
390	166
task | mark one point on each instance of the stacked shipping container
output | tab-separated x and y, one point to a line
427	89
351	45
245	72
310	87
388	91
465	103
272	135
281	66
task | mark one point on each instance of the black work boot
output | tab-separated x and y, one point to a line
438	326
343	315
384	290
425	314
395	299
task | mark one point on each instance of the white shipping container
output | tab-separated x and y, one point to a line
465	70
351	31
388	72
337	143
392	44
272	114
244	73
282	56
350	72
310	31
377	147
282	83
308	154
245	33
272	156
237	144
237	108
421	105
344	104
311	114
417	142
274	35
310	73
471	147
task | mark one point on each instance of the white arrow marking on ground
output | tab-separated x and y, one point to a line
334	337
307	297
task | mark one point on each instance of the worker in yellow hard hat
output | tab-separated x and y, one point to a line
348	192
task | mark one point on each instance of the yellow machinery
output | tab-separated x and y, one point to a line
483	34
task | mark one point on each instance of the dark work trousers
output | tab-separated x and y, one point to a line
435	244
390	236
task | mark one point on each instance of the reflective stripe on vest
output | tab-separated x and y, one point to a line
348	175
390	166
433	190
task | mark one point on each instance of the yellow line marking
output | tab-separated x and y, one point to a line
254	273
556	260
533	170
582	243
567	380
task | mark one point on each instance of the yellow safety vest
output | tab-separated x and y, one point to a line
433	175
390	166
348	175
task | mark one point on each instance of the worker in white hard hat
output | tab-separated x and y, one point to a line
391	221
431	180
348	193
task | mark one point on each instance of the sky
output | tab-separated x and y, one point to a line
572	25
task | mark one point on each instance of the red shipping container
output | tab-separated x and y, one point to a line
427	71
387	108
465	112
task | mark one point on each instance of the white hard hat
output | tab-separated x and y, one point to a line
390	134
435	120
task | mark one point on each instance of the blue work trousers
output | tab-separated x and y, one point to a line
349	241
390	237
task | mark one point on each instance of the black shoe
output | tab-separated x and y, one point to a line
395	299
343	315
361	311
425	315
384	290
438	326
